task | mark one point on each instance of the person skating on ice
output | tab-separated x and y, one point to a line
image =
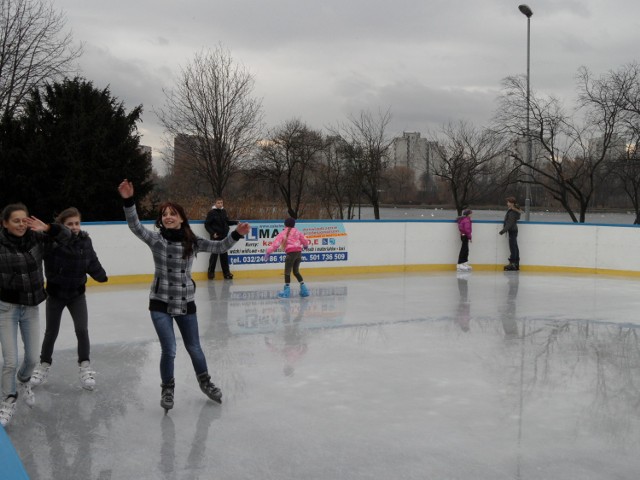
66	268
292	241
464	227
174	247
24	241
510	226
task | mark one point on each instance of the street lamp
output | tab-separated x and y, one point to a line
527	201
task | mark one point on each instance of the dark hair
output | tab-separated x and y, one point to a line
13	207
514	201
189	236
67	213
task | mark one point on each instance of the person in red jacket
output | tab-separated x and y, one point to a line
464	226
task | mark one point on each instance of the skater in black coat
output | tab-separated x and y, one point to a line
510	226
217	224
66	269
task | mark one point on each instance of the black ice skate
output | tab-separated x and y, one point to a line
166	397
208	388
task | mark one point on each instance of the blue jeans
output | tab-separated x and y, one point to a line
188	326
14	317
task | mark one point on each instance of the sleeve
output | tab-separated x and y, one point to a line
136	227
217	246
276	243
304	240
95	269
208	224
509	223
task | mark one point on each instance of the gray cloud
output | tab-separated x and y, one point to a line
429	62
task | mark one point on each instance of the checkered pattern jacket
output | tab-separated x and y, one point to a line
172	282
21	277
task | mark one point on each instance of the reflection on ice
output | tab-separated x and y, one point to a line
531	376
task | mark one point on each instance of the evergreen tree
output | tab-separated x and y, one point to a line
71	147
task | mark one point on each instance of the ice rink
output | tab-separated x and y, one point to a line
399	376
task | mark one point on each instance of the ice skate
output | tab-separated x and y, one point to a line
304	291
208	388
24	389
461	267
87	376
40	374
166	395
467	266
285	293
7	409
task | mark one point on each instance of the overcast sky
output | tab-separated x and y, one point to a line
428	61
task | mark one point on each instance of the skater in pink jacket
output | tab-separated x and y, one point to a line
464	226
293	241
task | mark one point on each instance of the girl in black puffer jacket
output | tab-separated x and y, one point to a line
66	268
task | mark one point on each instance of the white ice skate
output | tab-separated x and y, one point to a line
40	374
87	376
26	393
7	409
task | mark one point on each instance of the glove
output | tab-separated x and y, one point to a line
501	232
266	257
306	247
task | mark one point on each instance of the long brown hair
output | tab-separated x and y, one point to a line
189	237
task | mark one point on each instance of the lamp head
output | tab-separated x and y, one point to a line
525	10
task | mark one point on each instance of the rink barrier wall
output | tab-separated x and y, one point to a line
381	246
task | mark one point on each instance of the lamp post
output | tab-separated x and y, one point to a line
527	201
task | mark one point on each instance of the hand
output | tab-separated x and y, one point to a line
36	225
266	257
501	232
306	247
126	189
243	228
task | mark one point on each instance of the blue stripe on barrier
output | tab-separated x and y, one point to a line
11	467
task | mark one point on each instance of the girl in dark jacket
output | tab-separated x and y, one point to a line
66	268
23	242
510	226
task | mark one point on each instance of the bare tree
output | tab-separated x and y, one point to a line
212	110
625	168
337	185
569	156
472	162
366	147
34	49
286	158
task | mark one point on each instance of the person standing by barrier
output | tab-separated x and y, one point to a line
510	226
174	248
217	224
293	241
66	269
23	243
465	227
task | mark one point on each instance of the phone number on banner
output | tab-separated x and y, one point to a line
279	258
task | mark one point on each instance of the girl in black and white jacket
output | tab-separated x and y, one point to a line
174	246
23	243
